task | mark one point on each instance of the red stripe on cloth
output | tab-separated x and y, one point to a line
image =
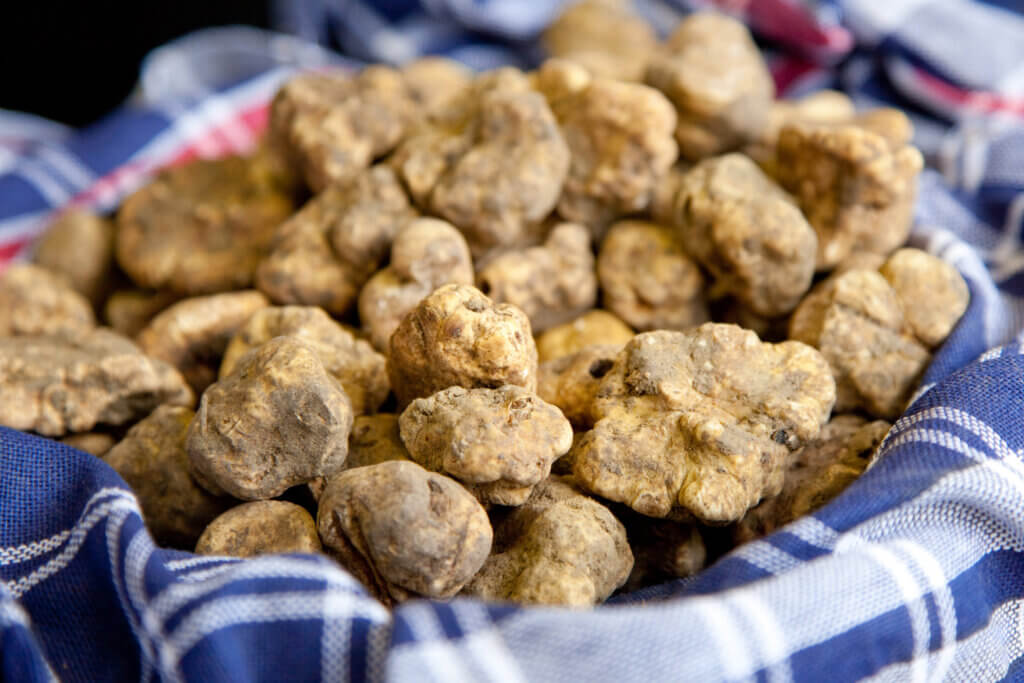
11	251
979	100
249	124
253	120
110	184
257	118
791	23
246	111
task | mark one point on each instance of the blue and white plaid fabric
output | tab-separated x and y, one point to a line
915	573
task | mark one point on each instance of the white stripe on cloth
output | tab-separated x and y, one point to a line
436	657
175	565
766	556
485	649
194	125
872	21
8	158
913	590
28	128
944	605
12	614
991	354
200	575
980	658
176	595
235	610
768	634
377	653
122	584
26	551
963	420
945	35
35	174
137	558
73	172
1012	83
24	584
1007	258
335	639
813	531
445	661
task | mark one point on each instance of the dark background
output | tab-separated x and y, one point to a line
74	61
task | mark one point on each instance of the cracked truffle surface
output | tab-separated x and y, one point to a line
499	442
277	421
702	420
459	337
560	548
856	181
59	385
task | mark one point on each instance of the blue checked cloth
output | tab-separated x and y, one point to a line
916	573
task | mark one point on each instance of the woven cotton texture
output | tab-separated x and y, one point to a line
916	572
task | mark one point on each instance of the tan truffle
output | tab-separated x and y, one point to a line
816	474
823	106
593	327
200	228
855	319
933	294
324	254
620	136
606	38
34	301
559	548
714	74
353	362
447	132
491	162
433	80
333	124
127	311
571	382
404	531
855	181
702	420
152	459
191	335
94	443
459	337
426	254
263	527
558	79
57	385
79	245
648	280
277	421
499	442
552	283
745	230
